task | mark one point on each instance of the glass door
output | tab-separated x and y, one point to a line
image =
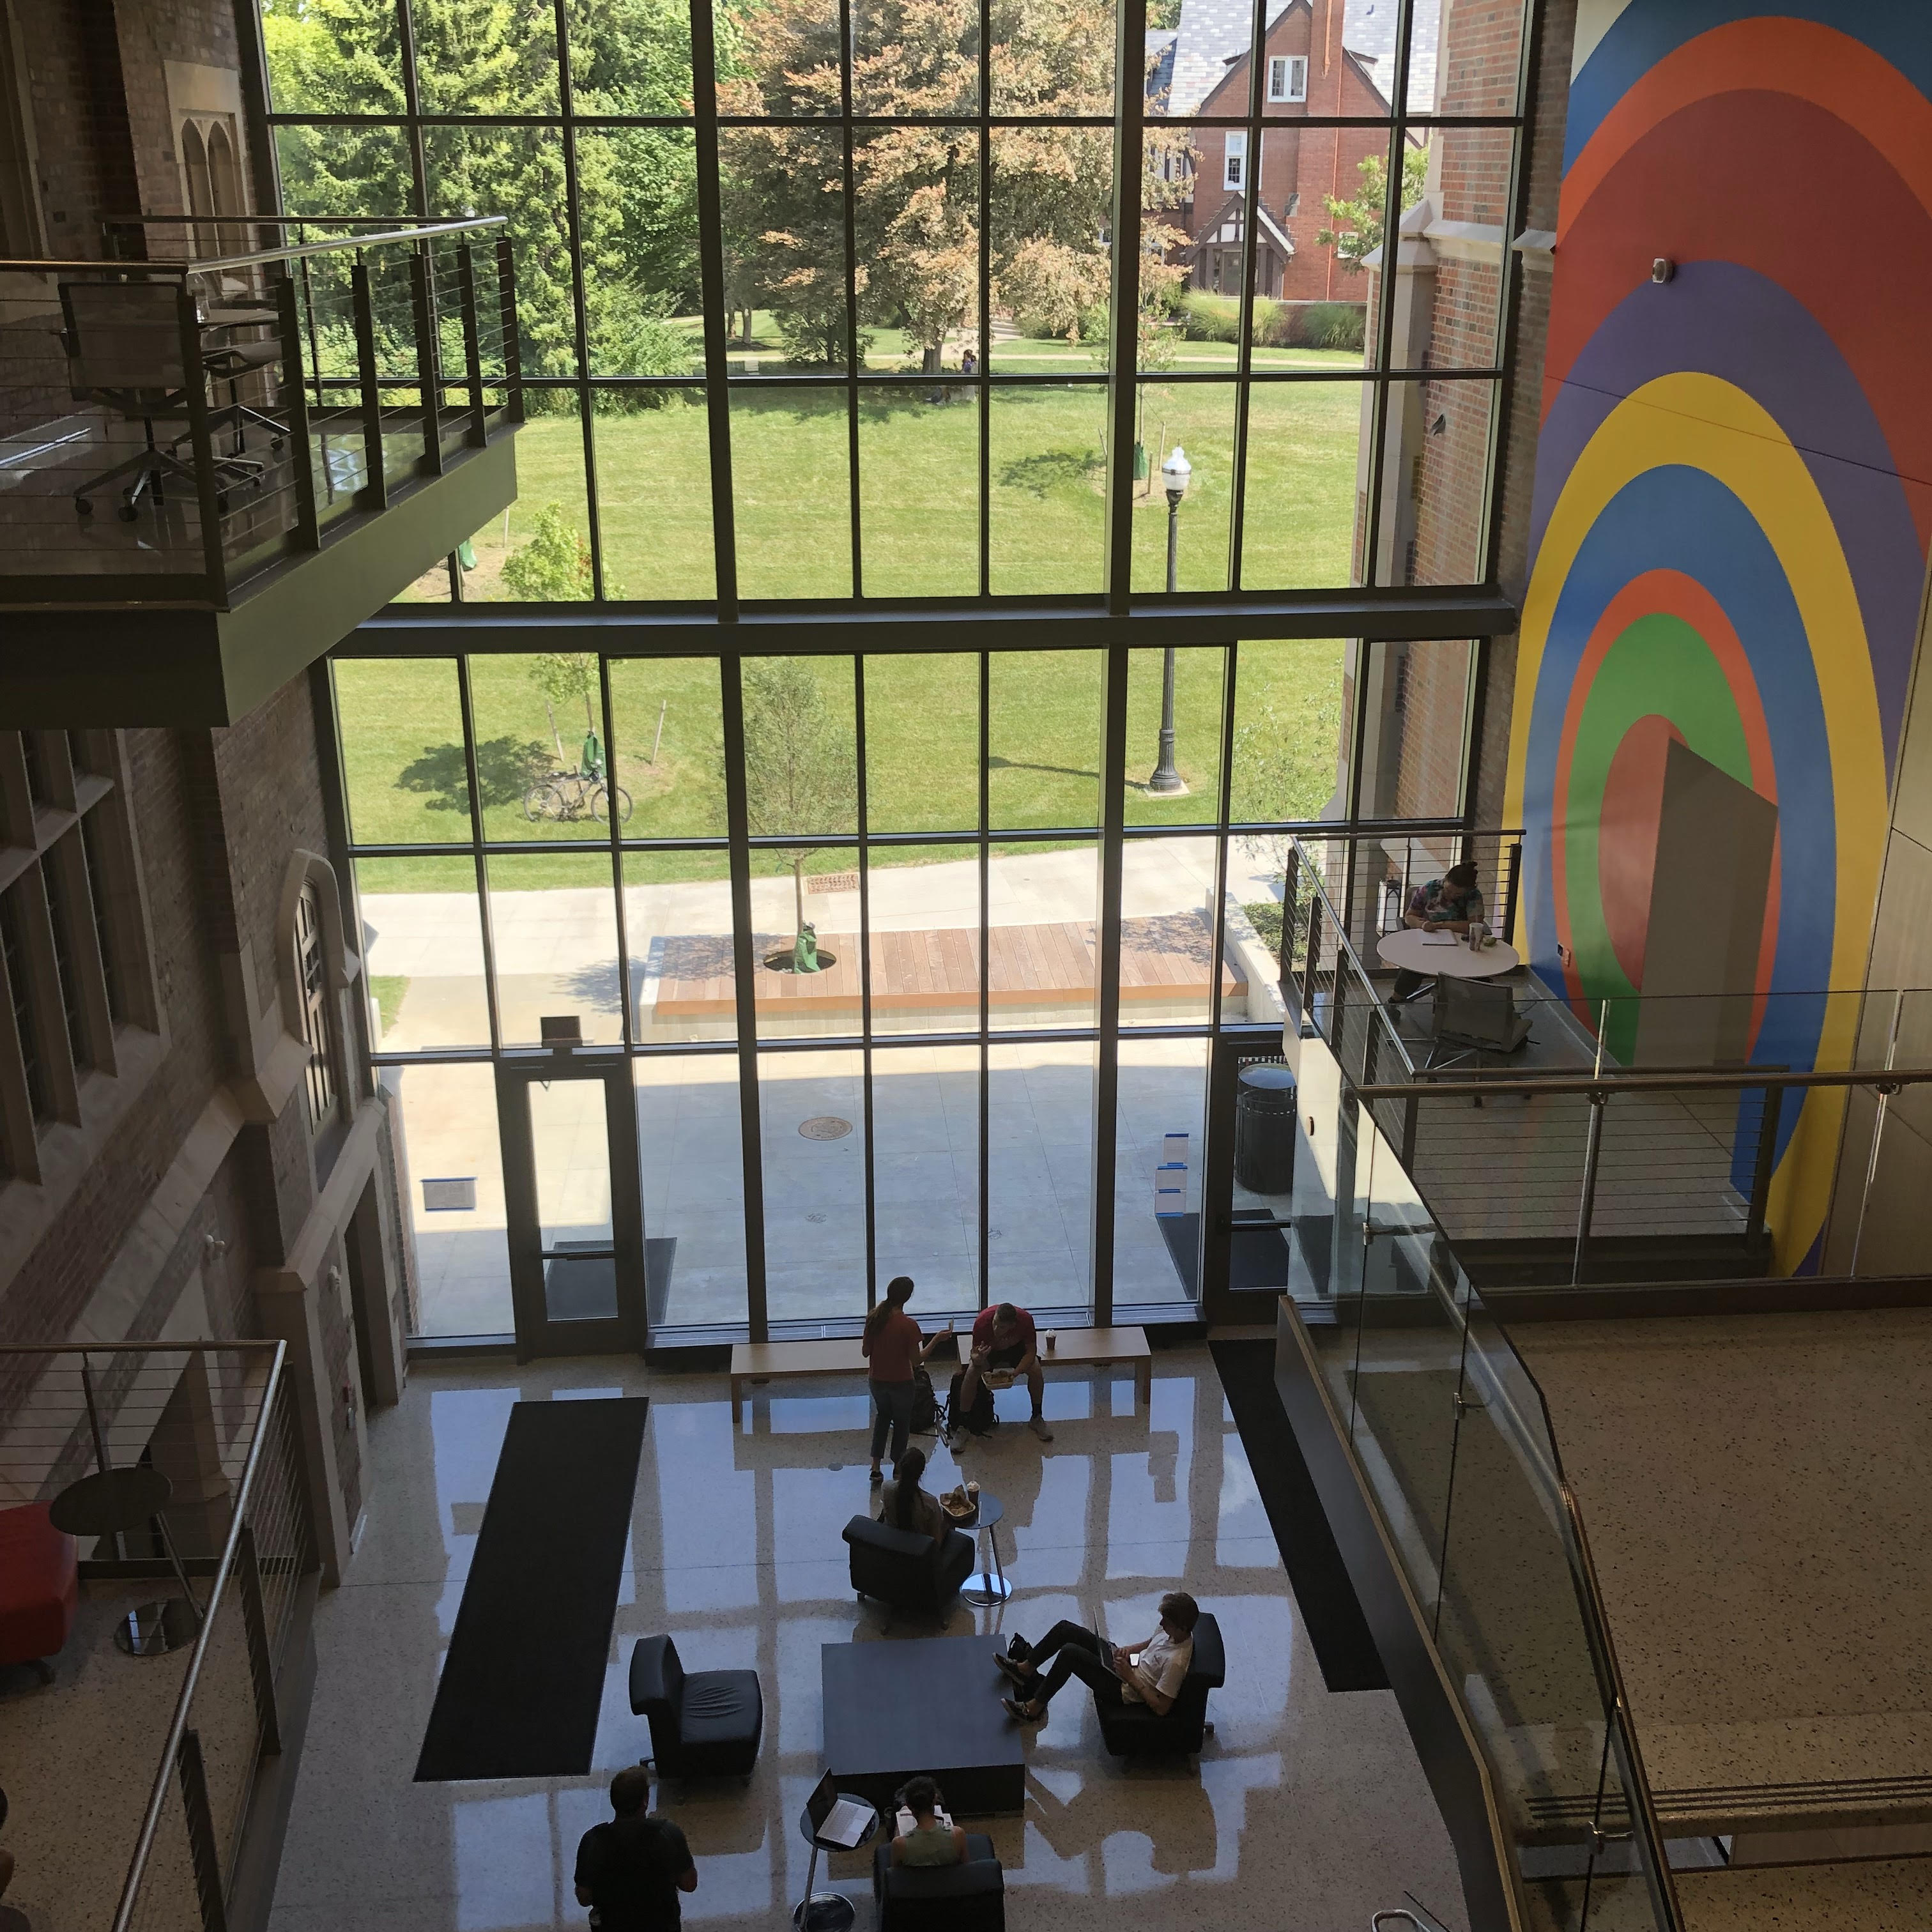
570	1183
1269	1211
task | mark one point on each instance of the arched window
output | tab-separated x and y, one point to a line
194	165
318	1009
224	184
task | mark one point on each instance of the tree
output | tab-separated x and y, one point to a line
554	566
561	676
801	777
1358	224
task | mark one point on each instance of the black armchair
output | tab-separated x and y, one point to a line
906	1568
970	1896
1134	1730
705	1723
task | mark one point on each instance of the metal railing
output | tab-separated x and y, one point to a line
172	428
217	1419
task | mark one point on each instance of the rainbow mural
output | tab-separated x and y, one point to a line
1733	492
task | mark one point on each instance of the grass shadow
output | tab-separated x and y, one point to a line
506	769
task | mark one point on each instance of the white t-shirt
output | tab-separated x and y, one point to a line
1163	1667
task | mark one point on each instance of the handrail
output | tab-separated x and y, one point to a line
164	1775
1471	1087
289	252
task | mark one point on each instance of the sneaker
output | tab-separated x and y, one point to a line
1038	1425
878	1476
1025	1713
1019	1650
1016	1671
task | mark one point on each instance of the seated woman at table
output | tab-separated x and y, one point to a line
929	1842
904	1504
1446	904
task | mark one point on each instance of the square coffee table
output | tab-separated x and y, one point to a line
895	1708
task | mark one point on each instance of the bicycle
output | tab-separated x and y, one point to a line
567	796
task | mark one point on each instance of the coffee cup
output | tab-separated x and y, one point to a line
1051	1340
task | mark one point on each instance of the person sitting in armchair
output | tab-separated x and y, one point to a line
1150	1673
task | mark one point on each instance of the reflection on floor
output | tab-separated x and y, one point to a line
1307	1810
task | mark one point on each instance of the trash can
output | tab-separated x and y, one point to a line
1264	1108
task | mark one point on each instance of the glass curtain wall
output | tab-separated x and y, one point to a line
907	218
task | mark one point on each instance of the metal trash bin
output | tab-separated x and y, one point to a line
1264	1111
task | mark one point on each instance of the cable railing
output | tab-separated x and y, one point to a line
173	426
201	1555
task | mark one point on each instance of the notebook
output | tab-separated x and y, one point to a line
1442	939
836	1820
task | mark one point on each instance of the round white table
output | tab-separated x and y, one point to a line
1406	951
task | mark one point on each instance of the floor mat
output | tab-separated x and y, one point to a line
524	1680
1330	1612
1258	1263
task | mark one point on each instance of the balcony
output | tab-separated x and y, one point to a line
213	468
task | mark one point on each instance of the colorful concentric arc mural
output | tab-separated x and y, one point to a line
1733	494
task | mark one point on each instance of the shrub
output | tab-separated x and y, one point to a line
1335	325
1210	318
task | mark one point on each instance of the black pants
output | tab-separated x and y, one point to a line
1407	984
892	1404
1076	1652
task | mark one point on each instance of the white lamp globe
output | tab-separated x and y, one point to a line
1175	472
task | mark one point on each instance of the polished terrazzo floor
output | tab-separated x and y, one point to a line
1306	1810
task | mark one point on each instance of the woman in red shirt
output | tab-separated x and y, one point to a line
893	1347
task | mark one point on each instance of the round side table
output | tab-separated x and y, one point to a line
826	1911
111	1501
985	1588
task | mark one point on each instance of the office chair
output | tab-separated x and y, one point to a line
1472	1017
124	347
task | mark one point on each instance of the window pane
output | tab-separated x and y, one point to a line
1167	932
1198	673
486	60
539	550
401	726
1465	60
630	60
1039	1176
801	772
1310	296
667	724
791	493
908	61
1043	737
1047	521
815	888
1450	422
1054	61
640	288
691	1162
781	60
677	923
923	742
1051	203
919	489
344	171
811	1106
334	61
424	953
535	717
446	1118
1298	521
925	914
926	1121
1251	935
783	197
1288	729
1199	417
1417	696
1041	903
554	927
518	171
1163	1093
654	492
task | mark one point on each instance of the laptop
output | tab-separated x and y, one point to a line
836	1820
1107	1652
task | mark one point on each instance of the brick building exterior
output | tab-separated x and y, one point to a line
169	1171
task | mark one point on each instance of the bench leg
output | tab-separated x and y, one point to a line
737	1401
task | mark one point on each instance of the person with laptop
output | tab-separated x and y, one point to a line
631	1869
928	1841
1150	1673
1005	1345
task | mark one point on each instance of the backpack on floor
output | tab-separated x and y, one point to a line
924	1404
981	1421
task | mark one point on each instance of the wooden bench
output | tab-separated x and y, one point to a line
1073	1349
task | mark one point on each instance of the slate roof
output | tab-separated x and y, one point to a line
1213	32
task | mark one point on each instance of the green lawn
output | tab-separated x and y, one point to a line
402	749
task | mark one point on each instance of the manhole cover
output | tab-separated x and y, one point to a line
815	1217
825	1127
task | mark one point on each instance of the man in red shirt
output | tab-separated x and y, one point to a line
1004	1337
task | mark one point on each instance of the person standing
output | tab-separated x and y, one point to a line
1004	1337
631	1869
893	1347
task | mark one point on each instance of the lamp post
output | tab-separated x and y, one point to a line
1166	782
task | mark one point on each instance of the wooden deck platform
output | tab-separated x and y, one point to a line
1167	957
